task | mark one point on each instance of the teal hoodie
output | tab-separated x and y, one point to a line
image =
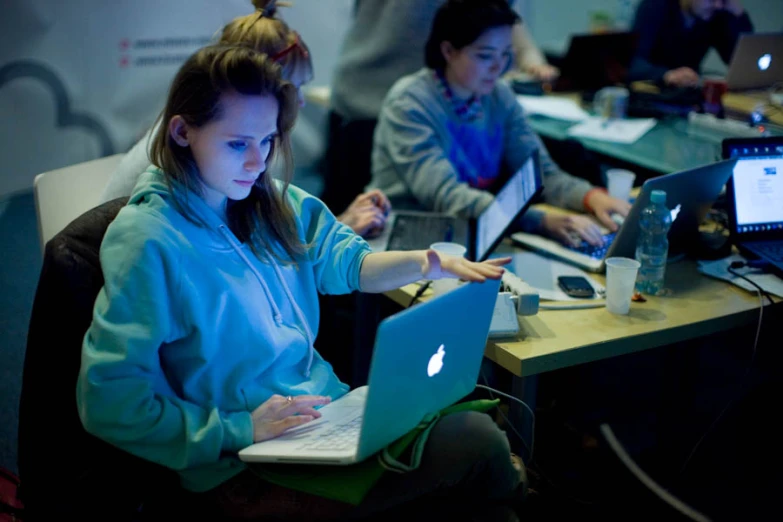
192	331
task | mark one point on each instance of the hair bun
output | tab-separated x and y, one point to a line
268	8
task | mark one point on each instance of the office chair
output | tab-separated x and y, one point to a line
63	469
64	194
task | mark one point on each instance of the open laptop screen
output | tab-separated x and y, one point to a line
512	200
755	190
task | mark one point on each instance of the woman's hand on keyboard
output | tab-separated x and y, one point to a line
603	206
279	414
438	266
572	229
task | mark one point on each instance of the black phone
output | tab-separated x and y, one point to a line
576	286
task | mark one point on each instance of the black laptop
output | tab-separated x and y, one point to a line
411	230
755	198
594	61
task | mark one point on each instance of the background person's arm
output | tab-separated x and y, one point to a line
649	25
527	56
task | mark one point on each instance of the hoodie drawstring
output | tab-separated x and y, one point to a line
278	316
299	314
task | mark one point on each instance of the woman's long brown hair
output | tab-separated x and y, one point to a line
264	219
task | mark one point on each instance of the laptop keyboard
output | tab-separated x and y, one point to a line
339	437
772	250
419	232
596	252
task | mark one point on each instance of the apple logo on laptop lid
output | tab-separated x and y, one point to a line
675	212
436	361
765	61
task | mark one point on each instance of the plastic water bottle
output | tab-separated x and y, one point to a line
652	245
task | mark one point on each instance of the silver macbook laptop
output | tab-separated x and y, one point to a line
757	62
689	194
422	363
412	230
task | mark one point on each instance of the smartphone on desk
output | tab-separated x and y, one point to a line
576	286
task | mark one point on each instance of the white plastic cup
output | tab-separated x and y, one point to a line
611	103
619	183
441	286
620	281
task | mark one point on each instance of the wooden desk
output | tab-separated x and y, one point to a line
745	103
555	339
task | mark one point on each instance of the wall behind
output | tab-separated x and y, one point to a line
85	78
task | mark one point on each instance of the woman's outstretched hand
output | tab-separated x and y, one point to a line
439	266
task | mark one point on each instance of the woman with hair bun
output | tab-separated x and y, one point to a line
267	33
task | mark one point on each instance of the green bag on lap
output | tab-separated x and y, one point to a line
351	484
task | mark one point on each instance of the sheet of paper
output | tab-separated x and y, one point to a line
616	131
719	270
553	107
542	272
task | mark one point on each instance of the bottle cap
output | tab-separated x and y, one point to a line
658	197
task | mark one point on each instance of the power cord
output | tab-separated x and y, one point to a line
530	462
595	303
506	419
420	292
645	479
760	264
743	379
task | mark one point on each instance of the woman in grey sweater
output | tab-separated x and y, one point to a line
448	133
384	43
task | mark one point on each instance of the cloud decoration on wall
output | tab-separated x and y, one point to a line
64	117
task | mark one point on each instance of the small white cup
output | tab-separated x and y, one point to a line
441	286
619	183
611	103
620	281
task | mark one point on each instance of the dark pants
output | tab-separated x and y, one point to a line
465	467
347	165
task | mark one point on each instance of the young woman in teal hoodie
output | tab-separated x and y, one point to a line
202	337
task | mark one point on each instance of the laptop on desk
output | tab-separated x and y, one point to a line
411	230
755	198
757	62
421	364
689	194
594	61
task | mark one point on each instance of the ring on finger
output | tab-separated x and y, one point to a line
289	399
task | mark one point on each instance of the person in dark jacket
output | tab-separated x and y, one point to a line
675	35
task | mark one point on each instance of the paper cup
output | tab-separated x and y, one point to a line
441	286
620	281
619	183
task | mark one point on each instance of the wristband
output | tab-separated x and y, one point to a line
587	197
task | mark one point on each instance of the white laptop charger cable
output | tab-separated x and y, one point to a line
645	479
593	303
493	391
